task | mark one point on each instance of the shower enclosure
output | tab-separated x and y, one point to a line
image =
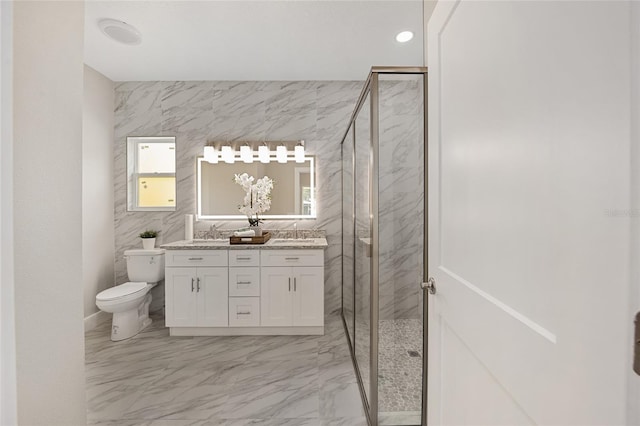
384	244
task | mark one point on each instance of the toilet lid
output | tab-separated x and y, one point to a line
121	290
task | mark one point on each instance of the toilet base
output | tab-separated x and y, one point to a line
129	323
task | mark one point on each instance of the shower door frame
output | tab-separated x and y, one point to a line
371	89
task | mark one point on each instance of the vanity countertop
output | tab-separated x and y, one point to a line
272	244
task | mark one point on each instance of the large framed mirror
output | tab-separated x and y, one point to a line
293	195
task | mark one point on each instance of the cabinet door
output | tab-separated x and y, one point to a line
276	287
308	296
213	297
180	297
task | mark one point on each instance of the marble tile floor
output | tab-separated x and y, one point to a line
154	379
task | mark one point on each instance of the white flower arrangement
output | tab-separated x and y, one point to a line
257	198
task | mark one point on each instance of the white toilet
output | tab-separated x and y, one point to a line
129	302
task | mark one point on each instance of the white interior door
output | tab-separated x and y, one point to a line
528	169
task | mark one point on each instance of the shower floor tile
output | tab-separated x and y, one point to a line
400	365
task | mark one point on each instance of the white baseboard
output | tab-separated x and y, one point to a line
94	320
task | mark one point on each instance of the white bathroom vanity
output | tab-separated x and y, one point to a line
213	288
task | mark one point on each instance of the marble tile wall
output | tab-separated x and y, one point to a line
200	112
401	197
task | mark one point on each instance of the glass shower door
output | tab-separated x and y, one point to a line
348	248
363	246
384	249
400	248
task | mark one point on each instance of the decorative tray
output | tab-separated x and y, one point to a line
250	240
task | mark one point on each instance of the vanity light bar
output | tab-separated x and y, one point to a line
227	152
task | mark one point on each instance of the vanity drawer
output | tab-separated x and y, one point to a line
196	258
292	258
244	281
244	311
244	257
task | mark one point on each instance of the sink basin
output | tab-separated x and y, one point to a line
294	241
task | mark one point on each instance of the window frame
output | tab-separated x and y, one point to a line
132	143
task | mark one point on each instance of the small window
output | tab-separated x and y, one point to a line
151	173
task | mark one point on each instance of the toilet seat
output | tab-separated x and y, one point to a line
121	292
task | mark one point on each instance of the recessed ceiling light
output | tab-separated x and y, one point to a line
120	31
404	36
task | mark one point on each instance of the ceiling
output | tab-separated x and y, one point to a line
254	40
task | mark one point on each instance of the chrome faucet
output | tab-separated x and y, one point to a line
295	230
213	232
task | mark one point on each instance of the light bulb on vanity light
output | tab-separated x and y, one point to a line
246	154
299	152
263	153
228	154
281	154
210	154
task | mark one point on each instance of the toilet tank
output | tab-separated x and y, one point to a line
145	265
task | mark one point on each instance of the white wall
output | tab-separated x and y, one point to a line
634	299
97	188
427	10
48	73
7	323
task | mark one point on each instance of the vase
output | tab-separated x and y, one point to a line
256	229
148	243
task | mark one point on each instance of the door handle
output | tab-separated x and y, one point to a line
430	285
195	258
294	284
192	281
198	284
289	283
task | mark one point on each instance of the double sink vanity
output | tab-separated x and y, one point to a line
213	288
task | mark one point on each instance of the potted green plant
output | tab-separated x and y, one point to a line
149	239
